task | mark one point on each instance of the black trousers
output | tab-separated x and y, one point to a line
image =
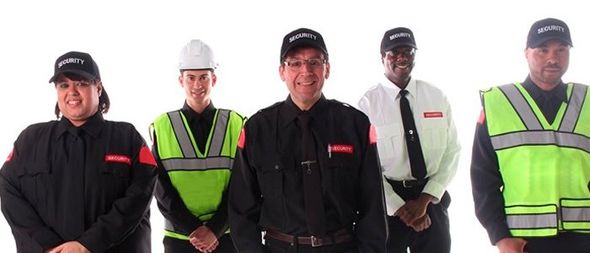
435	239
173	245
276	246
564	242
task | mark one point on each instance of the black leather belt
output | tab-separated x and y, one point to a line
340	236
408	183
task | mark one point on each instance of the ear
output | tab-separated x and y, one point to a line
99	88
282	72
213	79
180	80
327	72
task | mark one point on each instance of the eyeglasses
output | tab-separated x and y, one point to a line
313	63
399	52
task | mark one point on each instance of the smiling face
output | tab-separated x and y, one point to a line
77	98
197	85
304	72
398	64
548	63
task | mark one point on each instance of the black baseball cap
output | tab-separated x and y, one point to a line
397	37
548	29
79	63
300	38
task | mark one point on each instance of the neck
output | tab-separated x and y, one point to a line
198	107
401	83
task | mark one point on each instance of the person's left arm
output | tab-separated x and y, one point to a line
371	231
126	212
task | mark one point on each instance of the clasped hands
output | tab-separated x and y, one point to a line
203	239
413	213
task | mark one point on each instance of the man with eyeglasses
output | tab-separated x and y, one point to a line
418	148
306	171
195	148
81	183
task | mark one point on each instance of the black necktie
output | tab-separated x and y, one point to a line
312	186
74	186
412	141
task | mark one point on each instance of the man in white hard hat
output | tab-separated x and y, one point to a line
195	148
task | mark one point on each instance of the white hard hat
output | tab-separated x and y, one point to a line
196	55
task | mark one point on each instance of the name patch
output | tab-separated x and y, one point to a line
116	158
433	114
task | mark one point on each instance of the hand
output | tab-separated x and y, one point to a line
69	247
412	210
203	239
511	245
421	223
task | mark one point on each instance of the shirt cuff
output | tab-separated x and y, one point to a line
434	189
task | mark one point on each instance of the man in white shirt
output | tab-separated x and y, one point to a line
415	181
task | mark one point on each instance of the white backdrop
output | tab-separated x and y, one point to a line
464	46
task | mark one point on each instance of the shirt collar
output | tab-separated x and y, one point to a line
207	114
289	111
411	87
559	92
93	126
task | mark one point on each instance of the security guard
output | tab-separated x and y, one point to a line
322	197
81	183
530	169
195	149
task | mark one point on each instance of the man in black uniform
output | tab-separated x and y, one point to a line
529	166
81	183
323	197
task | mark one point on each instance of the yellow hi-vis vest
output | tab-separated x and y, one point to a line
200	177
545	167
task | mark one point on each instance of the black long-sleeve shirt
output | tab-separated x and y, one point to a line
113	188
170	204
485	175
266	189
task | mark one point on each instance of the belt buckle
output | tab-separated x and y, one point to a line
315	242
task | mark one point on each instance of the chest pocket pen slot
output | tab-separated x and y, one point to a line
272	181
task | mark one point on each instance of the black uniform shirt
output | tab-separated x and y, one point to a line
42	197
266	189
485	175
170	204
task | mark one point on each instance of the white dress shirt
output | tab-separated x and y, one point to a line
436	130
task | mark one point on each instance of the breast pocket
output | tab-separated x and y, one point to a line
35	178
388	136
272	181
116	177
434	134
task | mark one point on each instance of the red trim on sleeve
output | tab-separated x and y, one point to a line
146	157
372	135
482	117
242	139
9	158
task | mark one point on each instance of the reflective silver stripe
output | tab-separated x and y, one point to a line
541	138
198	164
219	133
574	107
575	213
531	221
522	107
182	135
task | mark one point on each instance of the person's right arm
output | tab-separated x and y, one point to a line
244	201
169	202
18	211
486	183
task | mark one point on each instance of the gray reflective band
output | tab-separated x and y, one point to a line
522	107
573	110
521	221
198	164
575	214
541	138
219	133
182	135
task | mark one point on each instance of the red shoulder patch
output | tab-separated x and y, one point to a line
242	139
146	157
9	158
372	135
482	117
